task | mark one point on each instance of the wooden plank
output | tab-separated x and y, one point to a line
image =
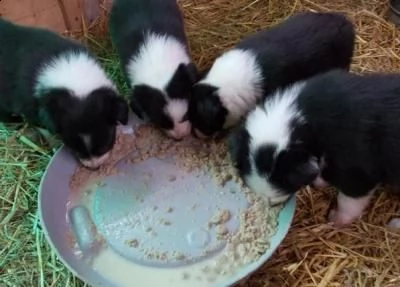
44	13
73	13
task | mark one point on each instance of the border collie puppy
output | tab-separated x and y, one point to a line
302	46
57	84
150	39
349	121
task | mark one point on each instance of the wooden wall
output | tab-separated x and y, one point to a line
57	15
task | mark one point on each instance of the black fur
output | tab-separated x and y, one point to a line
356	128
352	121
96	116
239	150
205	101
292	169
145	98
304	45
23	52
130	22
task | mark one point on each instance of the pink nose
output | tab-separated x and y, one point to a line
180	130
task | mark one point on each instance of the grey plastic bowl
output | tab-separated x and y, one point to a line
53	198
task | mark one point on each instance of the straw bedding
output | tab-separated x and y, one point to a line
314	253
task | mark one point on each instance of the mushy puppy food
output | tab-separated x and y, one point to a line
257	223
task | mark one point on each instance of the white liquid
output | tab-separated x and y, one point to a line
124	273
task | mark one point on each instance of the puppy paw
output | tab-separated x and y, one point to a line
340	219
394	223
349	209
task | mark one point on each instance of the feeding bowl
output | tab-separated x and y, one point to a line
141	230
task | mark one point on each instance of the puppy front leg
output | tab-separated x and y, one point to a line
348	209
320	182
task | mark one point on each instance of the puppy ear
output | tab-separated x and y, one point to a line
106	102
148	102
181	83
120	111
298	166
206	98
305	173
55	106
57	100
203	73
193	73
187	73
239	150
135	107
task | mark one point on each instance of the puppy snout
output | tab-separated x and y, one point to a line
180	131
274	201
94	163
199	134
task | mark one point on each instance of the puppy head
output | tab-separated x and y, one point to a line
206	111
226	93
167	108
270	149
281	174
87	125
273	173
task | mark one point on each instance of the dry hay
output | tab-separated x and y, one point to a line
314	253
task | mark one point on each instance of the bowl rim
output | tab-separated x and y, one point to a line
43	224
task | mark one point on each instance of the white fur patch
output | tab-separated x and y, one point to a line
269	124
239	78
176	109
157	61
76	71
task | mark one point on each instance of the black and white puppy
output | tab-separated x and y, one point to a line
298	48
349	121
150	39
57	84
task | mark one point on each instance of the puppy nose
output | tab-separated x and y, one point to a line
180	130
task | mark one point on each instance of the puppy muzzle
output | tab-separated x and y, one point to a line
274	201
180	130
95	162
